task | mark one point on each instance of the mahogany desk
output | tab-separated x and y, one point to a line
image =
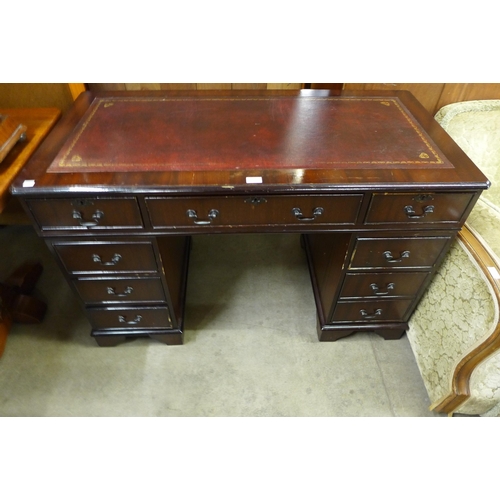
374	185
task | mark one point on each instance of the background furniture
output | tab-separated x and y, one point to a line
15	304
455	331
39	122
432	96
373	184
39	95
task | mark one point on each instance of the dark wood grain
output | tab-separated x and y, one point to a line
373	183
282	179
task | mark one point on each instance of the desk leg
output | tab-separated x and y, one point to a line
106	339
328	333
168	338
109	340
388	334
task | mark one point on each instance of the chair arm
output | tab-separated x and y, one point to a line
460	387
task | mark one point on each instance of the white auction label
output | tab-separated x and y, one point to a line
254	180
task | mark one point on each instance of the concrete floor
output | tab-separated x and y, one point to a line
250	349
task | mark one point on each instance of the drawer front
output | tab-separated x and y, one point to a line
99	258
253	210
387	253
382	284
86	213
418	208
129	319
120	290
373	311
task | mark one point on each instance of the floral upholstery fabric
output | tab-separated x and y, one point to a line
458	311
484	221
485	389
475	127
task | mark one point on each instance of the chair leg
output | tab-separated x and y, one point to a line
15	304
24	278
28	309
5	324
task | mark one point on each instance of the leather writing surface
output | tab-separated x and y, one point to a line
221	133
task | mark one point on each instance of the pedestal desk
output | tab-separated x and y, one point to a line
375	187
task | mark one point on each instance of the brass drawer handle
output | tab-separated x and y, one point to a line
127	291
389	258
134	321
211	215
95	218
377	291
411	214
366	315
114	260
300	216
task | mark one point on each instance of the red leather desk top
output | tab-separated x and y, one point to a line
139	134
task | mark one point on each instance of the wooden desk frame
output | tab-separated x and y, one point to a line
375	229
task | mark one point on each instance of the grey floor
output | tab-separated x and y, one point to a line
250	348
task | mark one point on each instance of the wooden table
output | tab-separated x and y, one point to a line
16	304
39	122
373	184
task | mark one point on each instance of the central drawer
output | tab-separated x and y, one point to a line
166	212
106	257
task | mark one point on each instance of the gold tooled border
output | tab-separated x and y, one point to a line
63	162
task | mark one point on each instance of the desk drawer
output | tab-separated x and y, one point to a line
253	210
373	311
86	213
129	319
357	285
380	253
105	258
120	290
418	208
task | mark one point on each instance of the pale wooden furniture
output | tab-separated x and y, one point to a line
38	123
76	89
38	95
10	133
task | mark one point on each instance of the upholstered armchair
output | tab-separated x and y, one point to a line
455	331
